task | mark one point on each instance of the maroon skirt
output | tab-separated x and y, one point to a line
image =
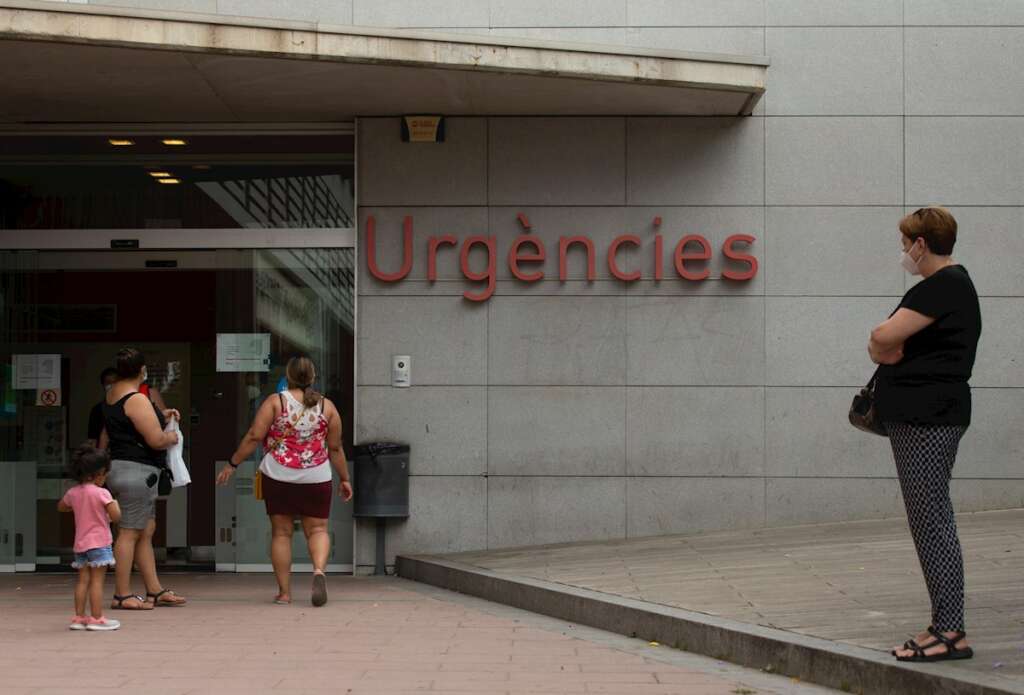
297	499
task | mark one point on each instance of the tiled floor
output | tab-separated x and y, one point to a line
856	582
379	636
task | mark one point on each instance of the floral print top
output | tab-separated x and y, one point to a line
298	437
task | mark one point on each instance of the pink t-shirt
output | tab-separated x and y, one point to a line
92	523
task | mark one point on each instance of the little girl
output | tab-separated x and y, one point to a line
94	509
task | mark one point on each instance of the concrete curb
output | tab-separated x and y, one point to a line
835	665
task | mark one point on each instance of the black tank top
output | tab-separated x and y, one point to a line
126	444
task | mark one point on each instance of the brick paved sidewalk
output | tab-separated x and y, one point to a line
857	583
379	636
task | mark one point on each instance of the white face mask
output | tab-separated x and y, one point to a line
909	264
145	375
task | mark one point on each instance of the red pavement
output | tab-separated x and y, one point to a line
379	636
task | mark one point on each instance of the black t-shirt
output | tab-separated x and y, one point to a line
929	385
126	444
96	421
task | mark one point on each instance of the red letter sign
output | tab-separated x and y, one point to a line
489	275
371	250
682	256
514	258
613	266
733	255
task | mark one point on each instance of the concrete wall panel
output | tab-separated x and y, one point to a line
795	13
423	13
695	13
659	506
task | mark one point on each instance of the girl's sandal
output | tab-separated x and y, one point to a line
173	599
141	605
281	601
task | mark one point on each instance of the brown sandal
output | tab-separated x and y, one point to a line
118	603
155	599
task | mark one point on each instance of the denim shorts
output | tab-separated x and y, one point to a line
97	557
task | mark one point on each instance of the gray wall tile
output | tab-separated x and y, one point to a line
958	12
735	40
715	224
695	13
696	161
601	224
447	514
835	71
964	161
834	12
805	245
392	172
202	6
815	500
834	161
982	495
1000	362
994	445
822	341
557	13
695	341
615	36
445	426
557	341
445	336
808	435
423	13
534	511
460	222
962	71
556	431
990	244
659	506
695	431
557	161
326	11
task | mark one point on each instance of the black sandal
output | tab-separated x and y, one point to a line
118	604
952	651
155	598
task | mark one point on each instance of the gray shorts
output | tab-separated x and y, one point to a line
127	483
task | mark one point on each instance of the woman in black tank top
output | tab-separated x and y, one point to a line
134	434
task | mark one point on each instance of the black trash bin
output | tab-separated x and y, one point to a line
382	480
381	488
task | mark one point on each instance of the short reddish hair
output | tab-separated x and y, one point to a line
935	225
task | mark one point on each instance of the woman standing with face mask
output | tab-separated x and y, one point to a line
926	350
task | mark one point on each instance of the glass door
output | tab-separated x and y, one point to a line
217	327
302	303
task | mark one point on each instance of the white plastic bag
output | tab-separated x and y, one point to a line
175	460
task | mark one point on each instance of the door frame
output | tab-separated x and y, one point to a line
202	239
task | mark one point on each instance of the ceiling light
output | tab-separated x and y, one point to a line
121	142
169	180
173	141
160	174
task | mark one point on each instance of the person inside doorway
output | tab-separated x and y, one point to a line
300	431
134	434
107	378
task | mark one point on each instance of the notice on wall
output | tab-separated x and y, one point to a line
243	352
48	397
36	372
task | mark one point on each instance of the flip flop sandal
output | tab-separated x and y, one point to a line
319	597
282	601
952	652
118	604
155	598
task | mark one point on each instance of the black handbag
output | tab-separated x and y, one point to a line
863	414
164	487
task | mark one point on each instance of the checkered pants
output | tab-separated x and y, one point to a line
924	462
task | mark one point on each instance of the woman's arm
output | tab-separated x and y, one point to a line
158	400
886	343
140	411
256	433
336	451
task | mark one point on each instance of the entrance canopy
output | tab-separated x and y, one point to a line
92	64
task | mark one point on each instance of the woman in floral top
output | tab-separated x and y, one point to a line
300	431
